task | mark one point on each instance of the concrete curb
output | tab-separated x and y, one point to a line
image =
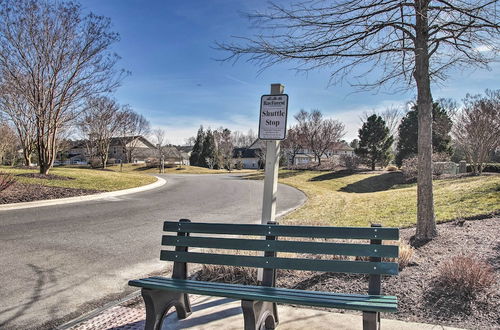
15	206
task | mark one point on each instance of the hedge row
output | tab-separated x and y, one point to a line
489	167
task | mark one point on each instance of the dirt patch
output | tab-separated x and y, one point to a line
23	192
45	176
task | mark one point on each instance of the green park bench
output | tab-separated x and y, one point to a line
259	302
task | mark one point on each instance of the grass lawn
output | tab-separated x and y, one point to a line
360	199
138	168
85	178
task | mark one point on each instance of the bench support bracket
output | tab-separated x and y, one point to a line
158	303
259	315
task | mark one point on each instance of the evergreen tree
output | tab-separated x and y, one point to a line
194	159
374	141
209	153
408	133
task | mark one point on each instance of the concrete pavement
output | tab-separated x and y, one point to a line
61	261
225	314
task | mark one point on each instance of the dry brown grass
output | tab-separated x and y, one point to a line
466	276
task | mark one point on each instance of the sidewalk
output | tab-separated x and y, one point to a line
225	314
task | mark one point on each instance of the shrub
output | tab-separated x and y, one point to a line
491	167
405	254
391	168
465	276
409	168
6	180
351	162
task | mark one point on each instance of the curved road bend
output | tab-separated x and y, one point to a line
58	262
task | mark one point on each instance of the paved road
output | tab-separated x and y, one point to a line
57	262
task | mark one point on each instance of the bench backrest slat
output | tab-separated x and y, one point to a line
345	249
342	266
283	230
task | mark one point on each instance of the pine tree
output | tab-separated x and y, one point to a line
194	159
408	132
209	153
374	141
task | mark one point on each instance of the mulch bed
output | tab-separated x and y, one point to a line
45	176
23	192
416	286
421	298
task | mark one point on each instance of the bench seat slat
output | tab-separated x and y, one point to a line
341	266
308	298
294	292
367	250
283	230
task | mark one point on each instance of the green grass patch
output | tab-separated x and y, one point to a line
343	199
85	178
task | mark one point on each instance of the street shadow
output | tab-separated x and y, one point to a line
43	278
375	183
332	175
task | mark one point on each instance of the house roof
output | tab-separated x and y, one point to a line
172	152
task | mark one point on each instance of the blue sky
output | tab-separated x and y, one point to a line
178	85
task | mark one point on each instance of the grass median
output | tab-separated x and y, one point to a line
80	178
344	199
184	169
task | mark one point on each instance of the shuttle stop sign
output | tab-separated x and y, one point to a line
273	114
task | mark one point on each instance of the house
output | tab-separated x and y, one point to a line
250	158
137	149
305	156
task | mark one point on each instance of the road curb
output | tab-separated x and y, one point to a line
49	202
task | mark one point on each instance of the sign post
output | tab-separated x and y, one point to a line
272	128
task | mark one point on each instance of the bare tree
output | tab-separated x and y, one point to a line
54	57
159	137
133	126
380	42
477	127
242	140
21	115
99	123
318	133
8	143
292	144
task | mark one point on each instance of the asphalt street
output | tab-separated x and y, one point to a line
58	262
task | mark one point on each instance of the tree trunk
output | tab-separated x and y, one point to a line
373	164
426	223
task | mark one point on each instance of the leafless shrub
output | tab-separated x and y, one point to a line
405	254
465	276
351	162
6	180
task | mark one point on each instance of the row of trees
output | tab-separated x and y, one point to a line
471	131
53	59
213	149
102	119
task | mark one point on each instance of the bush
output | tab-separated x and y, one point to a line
391	168
6	180
465	276
491	167
409	168
351	162
405	254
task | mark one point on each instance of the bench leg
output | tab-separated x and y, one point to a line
158	302
371	321
259	315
